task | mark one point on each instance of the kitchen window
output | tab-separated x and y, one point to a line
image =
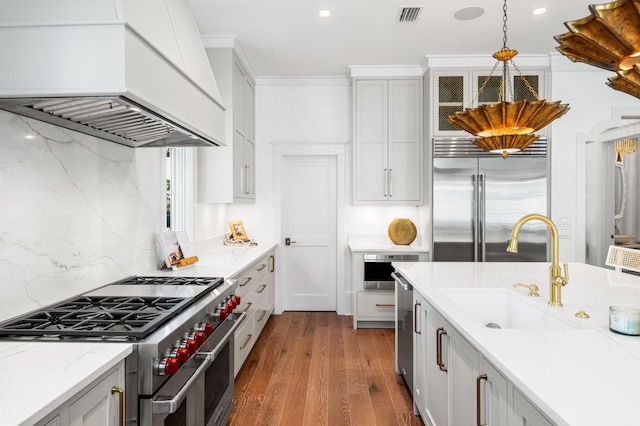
179	189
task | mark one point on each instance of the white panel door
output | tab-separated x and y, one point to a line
309	222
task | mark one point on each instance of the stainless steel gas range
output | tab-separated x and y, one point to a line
181	369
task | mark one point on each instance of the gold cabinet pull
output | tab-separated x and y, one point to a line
120	393
249	336
246	281
262	317
262	287
478	400
261	267
273	263
248	306
387	305
439	333
415	318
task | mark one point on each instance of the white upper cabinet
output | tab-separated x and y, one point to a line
243	140
227	174
455	90
388	141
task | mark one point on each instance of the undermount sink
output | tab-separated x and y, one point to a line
507	309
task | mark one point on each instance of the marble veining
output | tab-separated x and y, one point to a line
73	215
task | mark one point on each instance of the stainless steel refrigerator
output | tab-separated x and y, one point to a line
476	202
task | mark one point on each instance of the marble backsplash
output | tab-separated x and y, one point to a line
77	212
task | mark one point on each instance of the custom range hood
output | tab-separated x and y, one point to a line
133	72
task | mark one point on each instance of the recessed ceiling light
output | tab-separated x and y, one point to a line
539	11
468	13
29	137
324	13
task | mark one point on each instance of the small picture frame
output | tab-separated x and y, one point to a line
237	231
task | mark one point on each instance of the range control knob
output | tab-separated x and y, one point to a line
232	300
236	300
189	345
199	336
230	305
181	354
167	366
205	327
196	336
221	313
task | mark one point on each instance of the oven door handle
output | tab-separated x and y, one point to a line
214	353
170	406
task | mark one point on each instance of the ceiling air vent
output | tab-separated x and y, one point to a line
409	13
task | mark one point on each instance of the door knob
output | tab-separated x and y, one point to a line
288	242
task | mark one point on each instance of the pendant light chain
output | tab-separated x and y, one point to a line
506	77
504	25
484	84
506	126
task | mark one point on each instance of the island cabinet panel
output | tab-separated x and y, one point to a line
421	349
436	362
453	383
463	375
525	413
493	391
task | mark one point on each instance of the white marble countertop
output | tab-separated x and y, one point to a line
37	377
218	260
383	244
583	376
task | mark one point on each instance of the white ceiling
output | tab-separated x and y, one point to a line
288	38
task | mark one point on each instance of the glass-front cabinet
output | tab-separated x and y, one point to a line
451	93
455	90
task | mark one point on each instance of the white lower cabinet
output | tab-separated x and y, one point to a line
455	385
257	299
420	355
437	391
492	389
463	374
97	405
525	413
375	305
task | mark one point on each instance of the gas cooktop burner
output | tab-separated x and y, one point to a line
119	314
200	281
132	317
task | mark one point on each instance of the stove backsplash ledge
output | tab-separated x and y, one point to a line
77	213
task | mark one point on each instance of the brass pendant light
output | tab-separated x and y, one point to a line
609	39
507	126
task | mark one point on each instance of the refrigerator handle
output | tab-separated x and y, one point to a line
482	216
474	216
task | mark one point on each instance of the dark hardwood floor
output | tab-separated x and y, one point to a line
313	368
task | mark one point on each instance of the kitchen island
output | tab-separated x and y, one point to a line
577	374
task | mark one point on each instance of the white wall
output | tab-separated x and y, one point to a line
77	212
591	100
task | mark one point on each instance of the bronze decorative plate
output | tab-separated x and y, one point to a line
402	231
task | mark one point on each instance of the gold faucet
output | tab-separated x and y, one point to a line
556	280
